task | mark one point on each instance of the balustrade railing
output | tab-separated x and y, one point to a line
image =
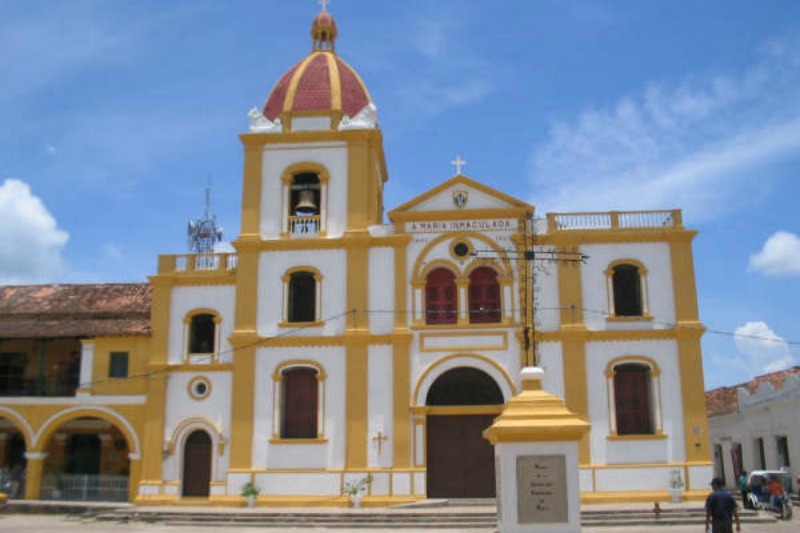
223	262
305	226
614	220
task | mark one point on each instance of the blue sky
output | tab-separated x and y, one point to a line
115	114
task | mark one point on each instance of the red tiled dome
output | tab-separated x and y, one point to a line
321	82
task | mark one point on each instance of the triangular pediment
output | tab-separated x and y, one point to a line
459	195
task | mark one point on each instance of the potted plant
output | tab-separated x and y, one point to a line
355	489
250	491
675	485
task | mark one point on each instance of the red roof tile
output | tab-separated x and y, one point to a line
99	310
725	400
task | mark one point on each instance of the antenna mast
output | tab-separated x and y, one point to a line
204	233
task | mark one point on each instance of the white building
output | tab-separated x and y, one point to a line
756	425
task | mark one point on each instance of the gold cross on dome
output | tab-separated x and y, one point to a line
324	4
458	163
380	438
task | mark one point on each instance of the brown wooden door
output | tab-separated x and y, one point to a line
197	465
460	460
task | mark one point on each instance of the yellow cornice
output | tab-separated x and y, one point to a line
355	338
681	331
255	140
613	236
350	240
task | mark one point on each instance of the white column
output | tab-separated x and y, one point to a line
87	366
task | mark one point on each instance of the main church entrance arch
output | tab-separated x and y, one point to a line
461	403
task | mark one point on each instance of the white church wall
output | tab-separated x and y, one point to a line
221	299
328	454
381	290
211	413
659	297
550	356
604	451
546	296
276	158
332	265
427	368
380	394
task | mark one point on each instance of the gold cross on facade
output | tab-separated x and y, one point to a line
380	438
458	163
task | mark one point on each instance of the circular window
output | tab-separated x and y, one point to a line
461	249
199	388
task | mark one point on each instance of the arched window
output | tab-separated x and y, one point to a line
441	297
626	282
300	403
202	333
632	399
484	296
302	304
304	204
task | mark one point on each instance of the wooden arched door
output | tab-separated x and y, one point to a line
197	465
460	462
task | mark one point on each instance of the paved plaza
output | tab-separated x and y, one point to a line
60	524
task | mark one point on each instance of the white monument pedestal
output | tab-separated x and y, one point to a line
536	455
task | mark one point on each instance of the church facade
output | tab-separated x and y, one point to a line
333	347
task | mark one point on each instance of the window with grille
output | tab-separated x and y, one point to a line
632	399
626	281
484	296
300	403
441	297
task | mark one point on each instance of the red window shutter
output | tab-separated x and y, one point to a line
484	296
632	399
300	404
441	297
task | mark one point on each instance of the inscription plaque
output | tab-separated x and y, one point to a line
542	489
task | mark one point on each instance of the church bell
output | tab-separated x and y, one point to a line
305	201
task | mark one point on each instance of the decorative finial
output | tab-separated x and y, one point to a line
324	5
458	163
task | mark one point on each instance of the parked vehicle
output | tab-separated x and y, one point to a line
759	496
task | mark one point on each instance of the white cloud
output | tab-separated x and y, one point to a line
30	240
763	350
779	256
692	144
112	251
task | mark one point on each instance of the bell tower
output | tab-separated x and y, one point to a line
314	162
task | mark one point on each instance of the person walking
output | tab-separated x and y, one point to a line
743	488
721	509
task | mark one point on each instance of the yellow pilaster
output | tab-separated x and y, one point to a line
135	474
688	333
401	287
33	475
244	369
357	281
251	185
153	439
364	182
570	294
401	383
573	346
357	397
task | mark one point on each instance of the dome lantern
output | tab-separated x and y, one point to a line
323	30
